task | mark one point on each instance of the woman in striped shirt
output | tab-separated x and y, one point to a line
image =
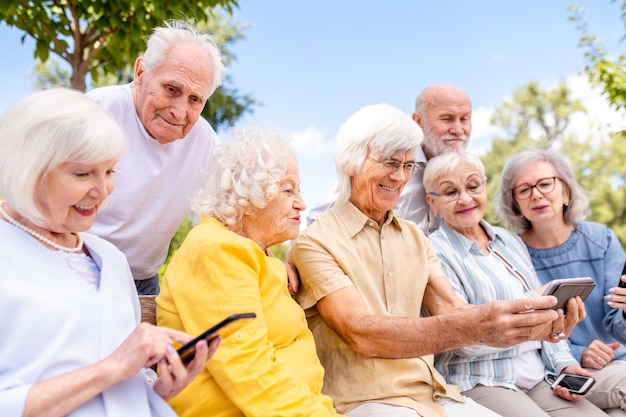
486	263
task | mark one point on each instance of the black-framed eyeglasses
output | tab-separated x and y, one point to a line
453	194
544	186
393	165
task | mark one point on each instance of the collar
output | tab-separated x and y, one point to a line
464	244
355	220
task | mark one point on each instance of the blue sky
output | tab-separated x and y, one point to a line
312	64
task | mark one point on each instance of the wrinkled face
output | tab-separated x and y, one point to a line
279	221
170	98
71	194
447	126
461	198
540	206
376	188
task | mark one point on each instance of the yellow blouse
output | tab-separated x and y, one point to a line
269	366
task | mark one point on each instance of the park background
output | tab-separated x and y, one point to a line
307	66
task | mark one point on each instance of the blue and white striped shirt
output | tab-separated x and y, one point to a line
505	273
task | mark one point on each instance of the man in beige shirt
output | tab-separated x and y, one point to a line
366	275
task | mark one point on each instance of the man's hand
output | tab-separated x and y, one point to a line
293	279
510	322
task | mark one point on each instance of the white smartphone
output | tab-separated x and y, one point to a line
576	384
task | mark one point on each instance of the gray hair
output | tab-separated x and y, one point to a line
246	172
177	31
377	128
507	207
446	163
44	130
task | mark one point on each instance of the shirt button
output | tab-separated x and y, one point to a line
238	337
372	224
389	274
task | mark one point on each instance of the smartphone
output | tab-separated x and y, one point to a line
621	283
222	329
576	384
566	288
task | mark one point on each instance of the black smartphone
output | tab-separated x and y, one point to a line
566	288
222	329
576	384
621	283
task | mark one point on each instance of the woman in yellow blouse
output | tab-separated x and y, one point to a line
269	366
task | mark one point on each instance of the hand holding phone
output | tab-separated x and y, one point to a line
222	329
566	288
575	384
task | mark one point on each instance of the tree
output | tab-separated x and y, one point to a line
608	200
90	34
223	108
532	118
535	118
225	105
601	70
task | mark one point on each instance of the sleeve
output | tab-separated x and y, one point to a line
320	274
614	321
13	398
474	351
225	280
557	356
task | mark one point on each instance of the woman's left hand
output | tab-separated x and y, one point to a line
174	376
562	327
564	392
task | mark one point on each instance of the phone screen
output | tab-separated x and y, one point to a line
573	382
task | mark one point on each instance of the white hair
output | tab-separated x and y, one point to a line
246	172
45	130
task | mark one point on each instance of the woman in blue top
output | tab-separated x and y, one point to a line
539	197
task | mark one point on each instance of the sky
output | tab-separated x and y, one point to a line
311	65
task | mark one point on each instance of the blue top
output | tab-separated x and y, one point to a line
505	273
593	251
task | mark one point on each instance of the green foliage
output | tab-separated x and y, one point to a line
226	105
223	108
178	239
280	251
532	118
601	70
90	34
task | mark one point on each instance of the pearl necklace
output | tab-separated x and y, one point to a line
42	238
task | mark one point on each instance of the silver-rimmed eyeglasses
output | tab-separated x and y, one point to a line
393	165
544	186
453	193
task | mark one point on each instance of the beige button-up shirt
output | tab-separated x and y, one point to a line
390	267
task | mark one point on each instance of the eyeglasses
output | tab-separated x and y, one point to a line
392	165
453	194
544	186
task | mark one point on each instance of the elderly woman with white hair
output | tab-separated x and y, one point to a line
485	263
251	202
73	345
